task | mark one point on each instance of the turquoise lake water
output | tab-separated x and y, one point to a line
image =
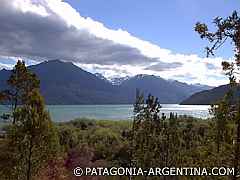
116	112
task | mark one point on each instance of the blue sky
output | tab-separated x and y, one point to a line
116	38
168	24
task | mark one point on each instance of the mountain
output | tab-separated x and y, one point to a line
101	77
65	83
167	91
4	75
209	96
191	88
118	80
203	87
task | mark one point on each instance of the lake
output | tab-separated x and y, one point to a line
116	112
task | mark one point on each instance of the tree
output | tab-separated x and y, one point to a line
146	128
222	117
32	140
228	28
21	82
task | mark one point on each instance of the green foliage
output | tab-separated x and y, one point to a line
99	135
68	137
108	139
182	142
21	83
155	141
32	140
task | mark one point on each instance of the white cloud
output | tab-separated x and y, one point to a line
30	6
5	66
64	33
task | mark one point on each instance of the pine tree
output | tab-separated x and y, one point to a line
146	128
32	139
21	82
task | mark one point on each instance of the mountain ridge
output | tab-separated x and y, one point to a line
66	83
211	96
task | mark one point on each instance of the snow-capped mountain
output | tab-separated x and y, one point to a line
118	80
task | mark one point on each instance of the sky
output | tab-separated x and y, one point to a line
116	38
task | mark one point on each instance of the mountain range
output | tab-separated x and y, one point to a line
211	96
66	83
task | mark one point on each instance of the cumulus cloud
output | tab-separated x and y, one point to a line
52	29
45	34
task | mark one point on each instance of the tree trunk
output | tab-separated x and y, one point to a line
29	161
15	106
237	149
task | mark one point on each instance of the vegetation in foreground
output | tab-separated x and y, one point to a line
34	148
